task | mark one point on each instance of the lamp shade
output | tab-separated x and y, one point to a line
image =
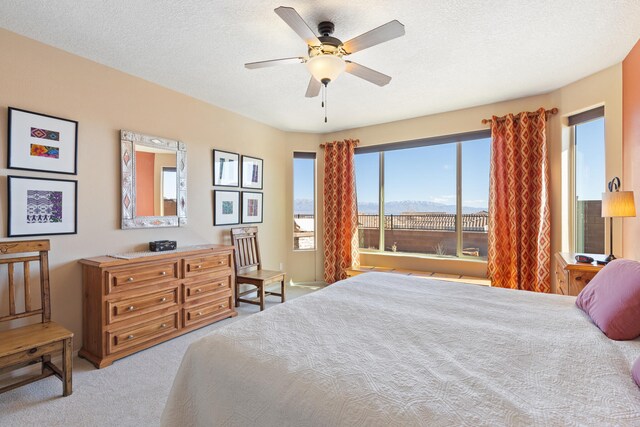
618	204
326	67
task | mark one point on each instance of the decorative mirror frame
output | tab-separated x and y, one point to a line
128	139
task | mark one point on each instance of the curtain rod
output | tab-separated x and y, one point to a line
547	112
336	142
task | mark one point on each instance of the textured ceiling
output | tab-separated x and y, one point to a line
455	54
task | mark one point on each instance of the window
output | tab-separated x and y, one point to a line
476	158
304	205
589	180
368	195
434	193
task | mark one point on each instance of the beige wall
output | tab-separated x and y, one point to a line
39	78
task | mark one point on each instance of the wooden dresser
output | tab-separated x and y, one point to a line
132	304
572	276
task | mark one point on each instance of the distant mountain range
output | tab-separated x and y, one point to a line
305	206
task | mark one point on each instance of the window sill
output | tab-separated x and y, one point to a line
445	259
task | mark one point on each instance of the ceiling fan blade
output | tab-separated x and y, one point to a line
297	24
274	62
383	33
367	74
313	89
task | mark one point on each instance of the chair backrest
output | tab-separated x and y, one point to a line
22	254
247	251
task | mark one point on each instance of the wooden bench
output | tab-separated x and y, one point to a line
36	343
415	273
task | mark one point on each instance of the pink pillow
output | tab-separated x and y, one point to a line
635	371
612	299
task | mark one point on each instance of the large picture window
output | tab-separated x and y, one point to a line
434	195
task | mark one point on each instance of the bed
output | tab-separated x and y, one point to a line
392	350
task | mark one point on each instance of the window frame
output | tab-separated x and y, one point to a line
573	121
457	139
305	155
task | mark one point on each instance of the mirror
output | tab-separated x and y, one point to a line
154	181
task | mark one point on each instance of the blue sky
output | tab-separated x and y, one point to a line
428	174
591	181
303	171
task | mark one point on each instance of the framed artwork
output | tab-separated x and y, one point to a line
226	168
39	142
251	207
40	206
251	172
226	207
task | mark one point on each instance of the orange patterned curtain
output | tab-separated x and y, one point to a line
340	210
519	255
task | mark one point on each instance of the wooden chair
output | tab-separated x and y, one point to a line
35	343
249	268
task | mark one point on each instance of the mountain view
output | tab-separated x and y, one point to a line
305	206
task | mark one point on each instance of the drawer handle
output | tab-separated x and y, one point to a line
163	299
221	306
199	313
220	262
130	279
579	278
33	350
130	337
164	325
220	284
197	266
164	273
131	308
198	290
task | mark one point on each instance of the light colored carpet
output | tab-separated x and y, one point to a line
131	392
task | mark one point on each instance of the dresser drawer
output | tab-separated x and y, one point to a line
206	288
119	280
204	312
578	280
135	306
195	266
137	334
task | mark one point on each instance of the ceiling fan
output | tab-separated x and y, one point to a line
326	53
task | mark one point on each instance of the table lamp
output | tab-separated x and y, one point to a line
616	203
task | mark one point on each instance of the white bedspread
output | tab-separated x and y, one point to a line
390	350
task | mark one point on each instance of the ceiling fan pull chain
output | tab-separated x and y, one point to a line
326	88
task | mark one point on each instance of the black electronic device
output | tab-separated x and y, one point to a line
162	245
584	258
600	262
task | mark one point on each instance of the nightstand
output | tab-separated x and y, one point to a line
572	276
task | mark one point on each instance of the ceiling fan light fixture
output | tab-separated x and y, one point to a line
326	67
